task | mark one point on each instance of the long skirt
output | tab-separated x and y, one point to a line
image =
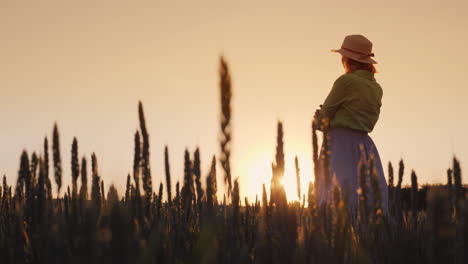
347	149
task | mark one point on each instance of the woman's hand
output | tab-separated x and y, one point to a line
317	112
316	123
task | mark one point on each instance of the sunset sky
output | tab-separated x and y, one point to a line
85	64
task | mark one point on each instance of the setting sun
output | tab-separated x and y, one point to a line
257	168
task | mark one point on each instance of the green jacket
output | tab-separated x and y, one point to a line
354	101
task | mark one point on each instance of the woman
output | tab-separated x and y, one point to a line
350	112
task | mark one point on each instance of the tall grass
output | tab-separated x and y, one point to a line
226	115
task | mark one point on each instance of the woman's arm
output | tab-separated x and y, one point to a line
334	100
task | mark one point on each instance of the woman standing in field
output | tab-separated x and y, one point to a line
349	113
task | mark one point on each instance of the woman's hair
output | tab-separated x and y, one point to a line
352	65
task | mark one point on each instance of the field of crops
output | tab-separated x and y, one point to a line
89	222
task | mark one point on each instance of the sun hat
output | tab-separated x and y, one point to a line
358	48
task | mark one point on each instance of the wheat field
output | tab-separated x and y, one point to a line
93	223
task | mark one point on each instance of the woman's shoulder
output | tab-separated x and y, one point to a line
344	80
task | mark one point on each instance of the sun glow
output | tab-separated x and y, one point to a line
257	170
289	180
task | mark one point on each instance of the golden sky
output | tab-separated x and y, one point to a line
85	64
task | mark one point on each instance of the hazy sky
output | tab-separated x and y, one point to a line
85	64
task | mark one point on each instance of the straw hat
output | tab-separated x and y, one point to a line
358	48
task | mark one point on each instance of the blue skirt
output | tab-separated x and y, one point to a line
345	155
